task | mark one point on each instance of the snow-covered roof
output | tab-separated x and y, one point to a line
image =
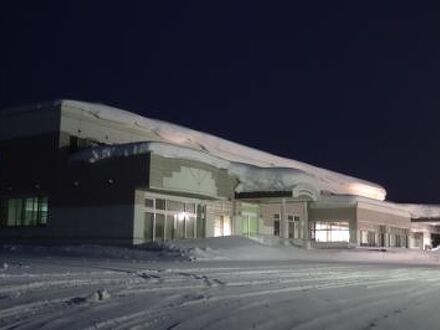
414	211
211	146
418	211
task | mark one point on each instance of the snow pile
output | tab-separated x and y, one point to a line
149	252
165	132
436	249
240	248
230	248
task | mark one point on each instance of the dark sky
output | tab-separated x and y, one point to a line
353	88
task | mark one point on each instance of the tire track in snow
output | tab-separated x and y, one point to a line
201	288
145	316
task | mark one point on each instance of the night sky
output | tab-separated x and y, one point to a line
352	88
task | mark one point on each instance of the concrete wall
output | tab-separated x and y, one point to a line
27	121
28	165
87	202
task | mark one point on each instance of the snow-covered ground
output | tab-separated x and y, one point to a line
230	283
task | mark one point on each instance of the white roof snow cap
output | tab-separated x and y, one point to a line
225	150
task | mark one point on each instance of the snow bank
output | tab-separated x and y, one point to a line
240	248
141	253
231	248
214	146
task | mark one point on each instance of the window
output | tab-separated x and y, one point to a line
176	206
171	219
30	211
190	208
149	202
201	220
190	226
291	226
276	227
276	224
169	227
160	204
330	231
179	232
249	224
148	226
398	241
160	227
222	226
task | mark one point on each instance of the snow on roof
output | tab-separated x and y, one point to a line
252	178
226	150
414	211
418	211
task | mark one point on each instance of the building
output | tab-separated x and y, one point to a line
75	172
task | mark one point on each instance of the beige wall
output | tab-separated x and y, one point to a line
368	216
269	209
190	177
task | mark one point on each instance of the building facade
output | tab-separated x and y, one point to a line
74	172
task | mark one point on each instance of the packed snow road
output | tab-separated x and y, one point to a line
66	292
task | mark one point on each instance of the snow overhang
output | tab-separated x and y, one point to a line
423	212
251	178
326	180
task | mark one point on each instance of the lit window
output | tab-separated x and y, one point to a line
330	231
30	211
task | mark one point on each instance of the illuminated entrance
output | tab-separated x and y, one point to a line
167	219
